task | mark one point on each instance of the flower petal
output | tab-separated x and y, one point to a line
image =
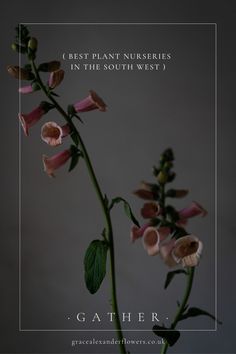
151	240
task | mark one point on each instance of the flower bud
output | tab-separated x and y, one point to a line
14	47
19	73
167	155
149	191
18	48
50	66
167	165
162	177
171	176
150	210
176	193
33	44
56	78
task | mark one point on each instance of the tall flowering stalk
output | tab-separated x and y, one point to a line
164	234
52	133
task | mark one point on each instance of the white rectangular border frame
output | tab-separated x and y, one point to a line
215	173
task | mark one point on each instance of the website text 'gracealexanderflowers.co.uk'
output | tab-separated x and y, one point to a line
113	341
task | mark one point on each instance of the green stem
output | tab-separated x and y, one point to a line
163	201
182	306
105	210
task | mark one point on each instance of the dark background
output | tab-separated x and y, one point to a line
147	112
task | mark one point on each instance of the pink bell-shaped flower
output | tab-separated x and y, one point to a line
93	101
194	209
56	78
52	133
146	191
137	232
30	119
187	250
26	89
150	210
153	237
166	253
53	163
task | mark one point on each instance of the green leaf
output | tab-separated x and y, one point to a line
194	311
104	233
106	200
170	276
73	162
46	106
155	171
171	176
74	137
127	209
157	221
95	265
28	67
70	110
54	94
171	336
173	214
75	154
78	117
179	232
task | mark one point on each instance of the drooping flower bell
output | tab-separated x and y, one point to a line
29	88
26	89
187	250
150	210
176	193
153	237
166	253
52	133
193	210
147	191
93	101
19	73
49	66
53	163
55	78
137	232
30	119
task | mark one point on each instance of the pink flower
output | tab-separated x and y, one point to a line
93	101
56	78
137	232
53	163
193	210
166	253
52	133
150	210
26	89
19	73
188	250
30	119
152	238
146	191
